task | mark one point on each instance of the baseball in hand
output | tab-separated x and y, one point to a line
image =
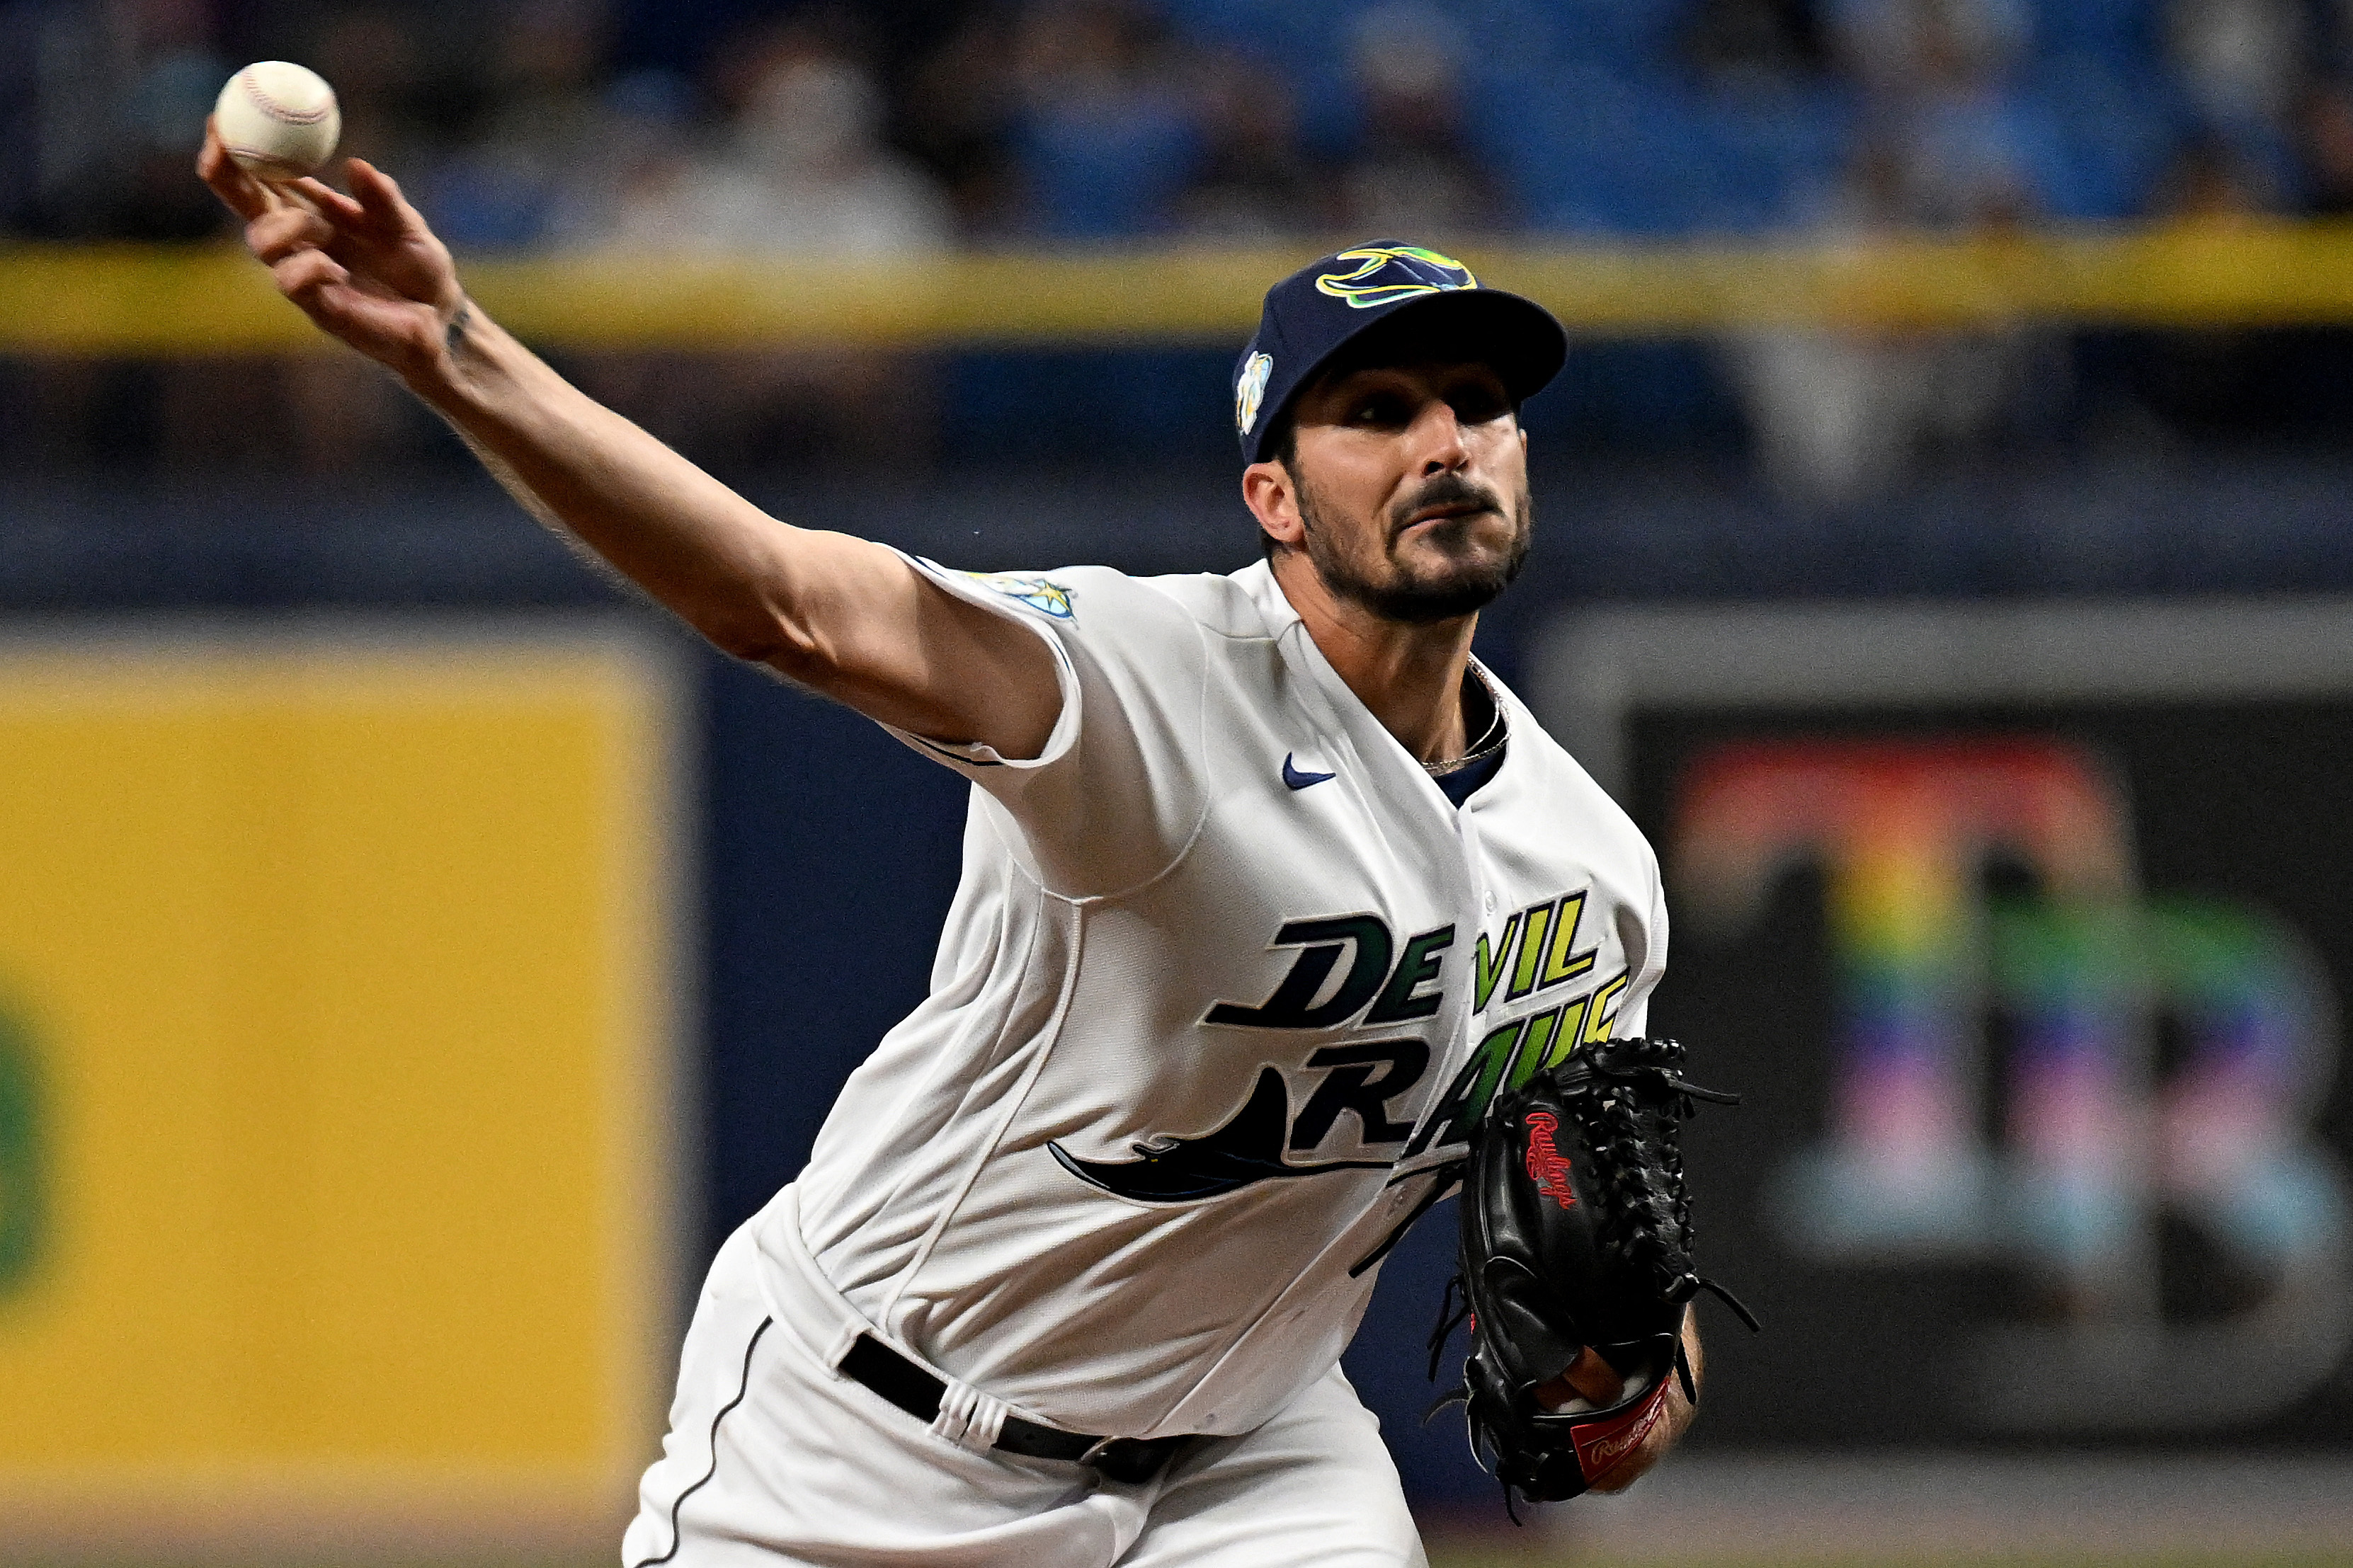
278	119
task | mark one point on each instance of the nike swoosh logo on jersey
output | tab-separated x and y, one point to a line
1297	780
1248	1148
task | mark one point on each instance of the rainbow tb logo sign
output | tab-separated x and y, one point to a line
2042	1066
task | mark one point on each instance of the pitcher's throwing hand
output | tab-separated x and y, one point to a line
364	267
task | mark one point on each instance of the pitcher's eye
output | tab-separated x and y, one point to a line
1377	409
1477	403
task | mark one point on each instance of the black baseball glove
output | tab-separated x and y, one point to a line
1576	1233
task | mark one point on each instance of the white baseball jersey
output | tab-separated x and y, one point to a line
1227	980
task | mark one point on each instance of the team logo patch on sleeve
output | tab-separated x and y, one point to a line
1385	274
1038	593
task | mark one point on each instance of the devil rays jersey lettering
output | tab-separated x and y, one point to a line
1365	1078
1200	1041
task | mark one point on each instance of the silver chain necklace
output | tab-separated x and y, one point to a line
1491	739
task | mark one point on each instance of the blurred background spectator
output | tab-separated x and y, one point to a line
1410	170
1100	128
795	169
550	138
1099	119
794	164
1949	142
786	130
1255	181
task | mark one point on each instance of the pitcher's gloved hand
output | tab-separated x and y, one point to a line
1577	1267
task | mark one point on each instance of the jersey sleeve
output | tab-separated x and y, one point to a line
1648	964
1116	792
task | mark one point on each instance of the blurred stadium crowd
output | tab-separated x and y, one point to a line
865	130
908	127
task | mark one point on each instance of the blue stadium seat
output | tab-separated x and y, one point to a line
1304	37
1574	104
1617	35
1570	147
1585	152
1101	175
1310	46
1775	155
2118	130
2121	35
480	202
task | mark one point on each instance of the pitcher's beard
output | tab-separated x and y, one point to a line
1416	596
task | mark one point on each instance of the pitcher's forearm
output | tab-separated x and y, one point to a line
843	616
691	541
367	270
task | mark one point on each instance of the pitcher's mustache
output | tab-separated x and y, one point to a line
1444	489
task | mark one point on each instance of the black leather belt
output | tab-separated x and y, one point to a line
918	1392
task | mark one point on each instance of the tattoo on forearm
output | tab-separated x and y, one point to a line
456	331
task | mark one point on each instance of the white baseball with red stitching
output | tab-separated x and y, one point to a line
278	119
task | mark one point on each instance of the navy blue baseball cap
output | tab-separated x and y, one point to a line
1424	304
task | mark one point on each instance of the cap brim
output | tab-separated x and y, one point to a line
1519	337
1521	340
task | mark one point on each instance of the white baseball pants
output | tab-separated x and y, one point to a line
774	1460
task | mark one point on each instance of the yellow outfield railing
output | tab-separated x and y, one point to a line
134	300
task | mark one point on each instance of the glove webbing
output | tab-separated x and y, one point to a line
1635	1204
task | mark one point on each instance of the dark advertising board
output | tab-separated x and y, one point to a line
2025	933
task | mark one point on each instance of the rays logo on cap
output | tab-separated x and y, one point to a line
1250	390
1386	274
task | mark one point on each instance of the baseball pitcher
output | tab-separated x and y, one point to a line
1269	890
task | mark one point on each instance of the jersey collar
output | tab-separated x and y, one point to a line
1257	581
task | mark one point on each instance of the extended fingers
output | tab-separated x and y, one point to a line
344	211
278	234
239	191
304	274
319	285
387	210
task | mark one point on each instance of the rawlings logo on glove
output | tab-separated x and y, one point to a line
1546	1169
1602	1444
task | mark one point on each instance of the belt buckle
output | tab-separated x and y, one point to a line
1128	1460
